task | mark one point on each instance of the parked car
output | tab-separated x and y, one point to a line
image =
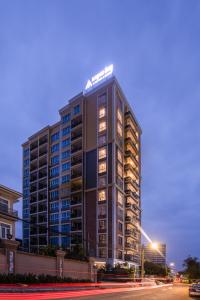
194	289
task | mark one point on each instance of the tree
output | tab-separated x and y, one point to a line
191	267
151	268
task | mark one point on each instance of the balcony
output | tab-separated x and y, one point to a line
33	177
42	196
33	198
130	128
33	156
131	181
132	194
76	187
131	233
43	140
43	173
8	213
76	122
33	145
76	147
42	185
76	213
43	151
76	226
131	220
33	188
76	200
33	209
76	135
76	173
42	208
42	218
75	160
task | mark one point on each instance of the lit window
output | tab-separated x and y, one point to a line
102	153
102	252
102	167
119	129
102	195
119	116
119	156
120	198
102	112
102	126
119	170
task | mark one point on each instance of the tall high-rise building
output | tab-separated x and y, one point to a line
157	256
81	176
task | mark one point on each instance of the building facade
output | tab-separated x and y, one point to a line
8	216
81	178
157	256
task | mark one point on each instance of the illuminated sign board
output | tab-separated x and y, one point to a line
107	71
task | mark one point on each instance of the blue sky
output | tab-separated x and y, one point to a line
48	49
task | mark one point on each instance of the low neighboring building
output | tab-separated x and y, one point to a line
8	216
157	256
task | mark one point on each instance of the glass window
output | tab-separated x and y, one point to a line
66	178
120	240
66	154
54	171
120	226
102	210
54	217
66	118
102	238
65	228
54	229
54	205
102	153
66	142
5	230
102	181
102	252
102	224
102	195
54	182
102	167
66	203
54	241
102	112
66	131
119	170
26	152
54	148
102	140
55	137
102	99
55	160
66	166
65	241
102	126
77	109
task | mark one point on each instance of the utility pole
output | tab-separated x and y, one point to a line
142	261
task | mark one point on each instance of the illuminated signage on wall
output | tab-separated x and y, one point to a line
106	72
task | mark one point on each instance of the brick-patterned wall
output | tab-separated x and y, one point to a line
35	264
3	263
39	264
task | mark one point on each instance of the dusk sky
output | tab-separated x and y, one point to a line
48	50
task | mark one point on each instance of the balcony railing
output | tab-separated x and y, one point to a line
8	211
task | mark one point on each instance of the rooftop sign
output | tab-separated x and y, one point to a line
107	71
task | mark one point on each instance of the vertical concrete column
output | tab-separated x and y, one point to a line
92	270
60	263
10	248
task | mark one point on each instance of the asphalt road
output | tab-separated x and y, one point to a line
176	292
